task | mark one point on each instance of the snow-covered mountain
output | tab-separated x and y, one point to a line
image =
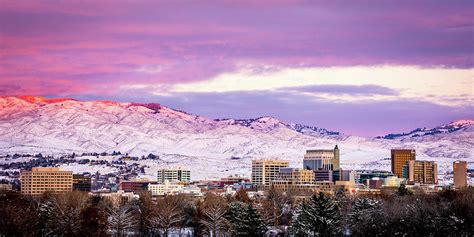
208	147
462	125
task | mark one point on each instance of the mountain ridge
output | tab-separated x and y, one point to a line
251	122
207	146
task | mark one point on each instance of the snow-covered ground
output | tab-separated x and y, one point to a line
209	148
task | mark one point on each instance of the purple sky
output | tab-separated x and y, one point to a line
150	51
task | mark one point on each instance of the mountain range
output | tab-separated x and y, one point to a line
61	126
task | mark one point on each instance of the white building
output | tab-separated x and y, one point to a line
165	188
174	175
118	197
392	181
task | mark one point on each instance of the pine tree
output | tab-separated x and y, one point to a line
403	191
365	217
244	220
318	216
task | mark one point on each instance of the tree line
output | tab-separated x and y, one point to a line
447	213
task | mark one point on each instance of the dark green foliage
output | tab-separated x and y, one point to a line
318	216
403	191
365	217
447	213
244	220
18	215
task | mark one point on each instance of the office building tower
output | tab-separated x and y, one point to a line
40	180
322	159
264	171
177	175
460	174
422	172
399	158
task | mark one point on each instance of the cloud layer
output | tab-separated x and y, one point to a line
360	53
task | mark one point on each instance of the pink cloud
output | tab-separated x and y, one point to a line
107	42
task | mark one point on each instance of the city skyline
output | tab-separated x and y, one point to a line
360	68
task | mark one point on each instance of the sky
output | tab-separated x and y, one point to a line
359	67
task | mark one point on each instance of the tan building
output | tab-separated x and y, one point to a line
346	186
264	171
321	159
460	174
400	158
422	172
294	180
40	180
6	187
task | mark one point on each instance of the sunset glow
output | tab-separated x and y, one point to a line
385	67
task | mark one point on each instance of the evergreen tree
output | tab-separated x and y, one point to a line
244	220
403	190
318	216
365	217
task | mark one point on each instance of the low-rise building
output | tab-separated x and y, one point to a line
81	182
118	197
392	181
6	187
166	188
374	183
323	175
346	186
294	180
363	175
136	186
325	186
343	175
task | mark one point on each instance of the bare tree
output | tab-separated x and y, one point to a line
63	213
214	221
167	215
122	220
273	207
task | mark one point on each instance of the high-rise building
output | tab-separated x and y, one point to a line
81	182
322	159
422	172
177	175
41	180
460	174
264	171
400	158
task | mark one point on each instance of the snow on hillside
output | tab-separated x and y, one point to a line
210	148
